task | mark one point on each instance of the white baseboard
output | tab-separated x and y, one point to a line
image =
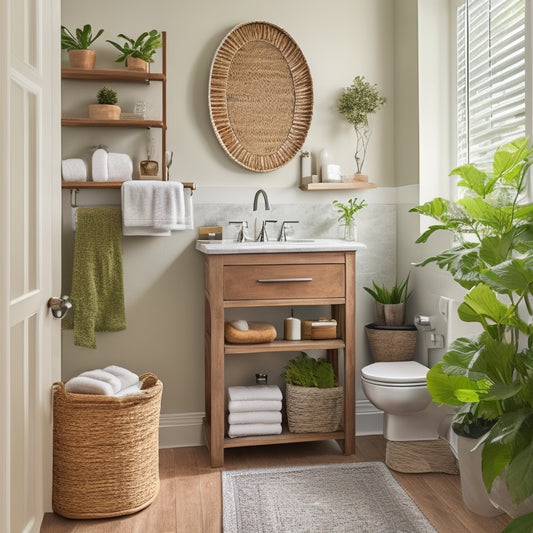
185	429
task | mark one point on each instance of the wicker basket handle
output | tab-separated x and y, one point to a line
149	380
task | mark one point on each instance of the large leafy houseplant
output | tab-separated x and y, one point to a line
490	376
143	47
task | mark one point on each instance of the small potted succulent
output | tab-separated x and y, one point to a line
138	53
355	104
77	46
106	108
314	402
389	338
346	214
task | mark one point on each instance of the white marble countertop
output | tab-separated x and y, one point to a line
228	246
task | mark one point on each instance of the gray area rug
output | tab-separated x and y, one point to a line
345	497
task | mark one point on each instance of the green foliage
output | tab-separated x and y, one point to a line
355	104
305	371
347	211
81	41
144	47
397	294
106	96
491	376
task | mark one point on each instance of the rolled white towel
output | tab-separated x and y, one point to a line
119	167
131	390
244	430
73	170
102	375
85	385
255	417
99	164
253	405
255	392
126	377
241	325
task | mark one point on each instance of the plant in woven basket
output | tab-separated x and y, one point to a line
144	47
106	108
356	103
390	302
77	45
106	96
314	402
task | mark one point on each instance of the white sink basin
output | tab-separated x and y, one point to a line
293	245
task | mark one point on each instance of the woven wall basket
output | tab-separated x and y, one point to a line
106	452
260	96
311	410
389	343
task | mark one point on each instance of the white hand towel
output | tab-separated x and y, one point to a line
235	406
119	167
245	430
85	385
126	377
73	170
169	206
99	165
131	390
102	375
255	417
255	392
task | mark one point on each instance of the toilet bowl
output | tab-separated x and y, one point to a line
399	389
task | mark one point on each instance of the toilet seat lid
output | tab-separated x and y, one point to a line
396	372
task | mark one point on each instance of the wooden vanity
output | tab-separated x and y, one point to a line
279	279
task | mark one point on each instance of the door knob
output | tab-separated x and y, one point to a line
59	306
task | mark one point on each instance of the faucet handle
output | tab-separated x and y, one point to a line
282	232
241	235
263	233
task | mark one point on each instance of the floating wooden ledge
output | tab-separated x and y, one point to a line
111	74
338	186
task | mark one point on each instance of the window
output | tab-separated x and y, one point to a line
491	76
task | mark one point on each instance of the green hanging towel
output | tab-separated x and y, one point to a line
97	292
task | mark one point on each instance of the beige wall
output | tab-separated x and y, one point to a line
164	277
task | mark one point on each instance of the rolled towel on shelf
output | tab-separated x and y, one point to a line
99	165
119	167
255	392
86	385
127	377
247	430
255	417
73	170
102	375
236	406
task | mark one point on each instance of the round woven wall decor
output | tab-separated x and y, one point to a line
260	96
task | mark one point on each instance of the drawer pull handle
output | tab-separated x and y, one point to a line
283	280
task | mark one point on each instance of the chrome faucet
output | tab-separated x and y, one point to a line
265	198
263	237
283	231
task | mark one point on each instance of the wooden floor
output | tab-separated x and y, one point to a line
190	497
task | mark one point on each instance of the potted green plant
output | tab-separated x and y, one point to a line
137	53
77	46
355	104
489	377
388	337
106	108
314	402
346	212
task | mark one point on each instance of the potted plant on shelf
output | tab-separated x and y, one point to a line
356	103
138	53
77	46
346	214
489	377
314	402
106	108
389	338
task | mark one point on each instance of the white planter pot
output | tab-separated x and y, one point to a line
500	498
475	495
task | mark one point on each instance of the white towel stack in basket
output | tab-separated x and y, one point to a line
254	410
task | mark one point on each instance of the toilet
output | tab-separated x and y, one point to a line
399	389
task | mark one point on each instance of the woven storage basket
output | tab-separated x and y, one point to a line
106	451
389	343
313	410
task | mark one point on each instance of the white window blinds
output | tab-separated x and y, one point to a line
490	77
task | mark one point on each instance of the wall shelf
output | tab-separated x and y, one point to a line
107	185
88	122
349	185
111	75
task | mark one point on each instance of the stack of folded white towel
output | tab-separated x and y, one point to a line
254	410
110	381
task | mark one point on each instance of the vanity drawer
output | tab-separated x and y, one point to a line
251	282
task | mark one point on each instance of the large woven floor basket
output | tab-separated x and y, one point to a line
106	451
311	410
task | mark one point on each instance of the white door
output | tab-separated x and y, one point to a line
30	180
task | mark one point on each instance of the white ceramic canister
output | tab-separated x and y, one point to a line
293	329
